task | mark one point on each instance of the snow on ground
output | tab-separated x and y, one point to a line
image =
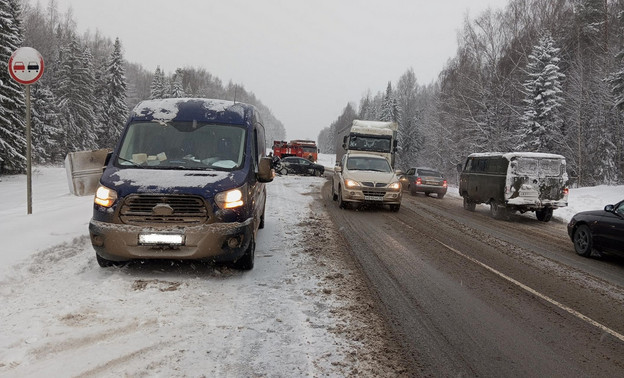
302	311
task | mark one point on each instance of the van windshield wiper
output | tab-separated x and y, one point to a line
131	162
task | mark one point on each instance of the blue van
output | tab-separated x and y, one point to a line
186	181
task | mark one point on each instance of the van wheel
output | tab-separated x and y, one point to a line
441	195
246	262
545	214
104	263
261	225
395	208
468	204
497	211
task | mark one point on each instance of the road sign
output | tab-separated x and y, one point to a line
26	65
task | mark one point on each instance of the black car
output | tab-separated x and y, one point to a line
601	230
299	166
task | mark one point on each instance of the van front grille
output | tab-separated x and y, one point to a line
165	209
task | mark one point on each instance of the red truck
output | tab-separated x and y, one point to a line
306	149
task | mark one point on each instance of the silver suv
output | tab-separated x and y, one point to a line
365	178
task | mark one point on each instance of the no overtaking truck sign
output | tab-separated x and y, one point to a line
26	65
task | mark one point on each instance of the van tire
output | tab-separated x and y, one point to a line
104	263
395	208
468	204
441	195
497	211
544	214
246	262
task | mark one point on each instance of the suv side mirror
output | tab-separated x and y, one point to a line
609	208
265	173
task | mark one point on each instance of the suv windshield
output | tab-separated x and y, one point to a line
368	164
186	145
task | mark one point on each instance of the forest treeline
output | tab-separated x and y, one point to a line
83	99
538	75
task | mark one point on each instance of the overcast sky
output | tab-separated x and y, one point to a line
304	59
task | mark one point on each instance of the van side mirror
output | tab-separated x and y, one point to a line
609	208
265	173
338	169
107	160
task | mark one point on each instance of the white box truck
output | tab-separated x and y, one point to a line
371	137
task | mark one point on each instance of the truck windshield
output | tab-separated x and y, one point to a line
361	163
369	143
182	145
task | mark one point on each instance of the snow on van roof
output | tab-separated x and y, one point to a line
167	109
510	155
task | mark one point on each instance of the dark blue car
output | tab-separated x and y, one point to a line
601	230
186	181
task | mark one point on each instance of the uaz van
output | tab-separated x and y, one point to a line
186	181
516	181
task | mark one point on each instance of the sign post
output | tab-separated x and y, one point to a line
26	67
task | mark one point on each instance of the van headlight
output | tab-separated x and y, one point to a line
230	199
104	196
395	186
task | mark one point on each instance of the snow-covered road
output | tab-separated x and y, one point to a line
302	311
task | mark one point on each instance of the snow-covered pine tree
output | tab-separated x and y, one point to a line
177	90
12	106
116	109
389	107
45	131
76	98
157	89
542	122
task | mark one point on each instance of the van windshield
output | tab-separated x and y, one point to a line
182	145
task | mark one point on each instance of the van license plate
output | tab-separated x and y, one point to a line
161	239
373	198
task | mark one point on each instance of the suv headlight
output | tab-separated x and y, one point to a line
351	184
104	196
230	199
395	186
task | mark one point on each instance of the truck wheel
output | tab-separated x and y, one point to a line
544	214
497	211
583	242
468	204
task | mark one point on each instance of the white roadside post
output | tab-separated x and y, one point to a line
26	67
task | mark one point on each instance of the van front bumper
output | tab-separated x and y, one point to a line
217	242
